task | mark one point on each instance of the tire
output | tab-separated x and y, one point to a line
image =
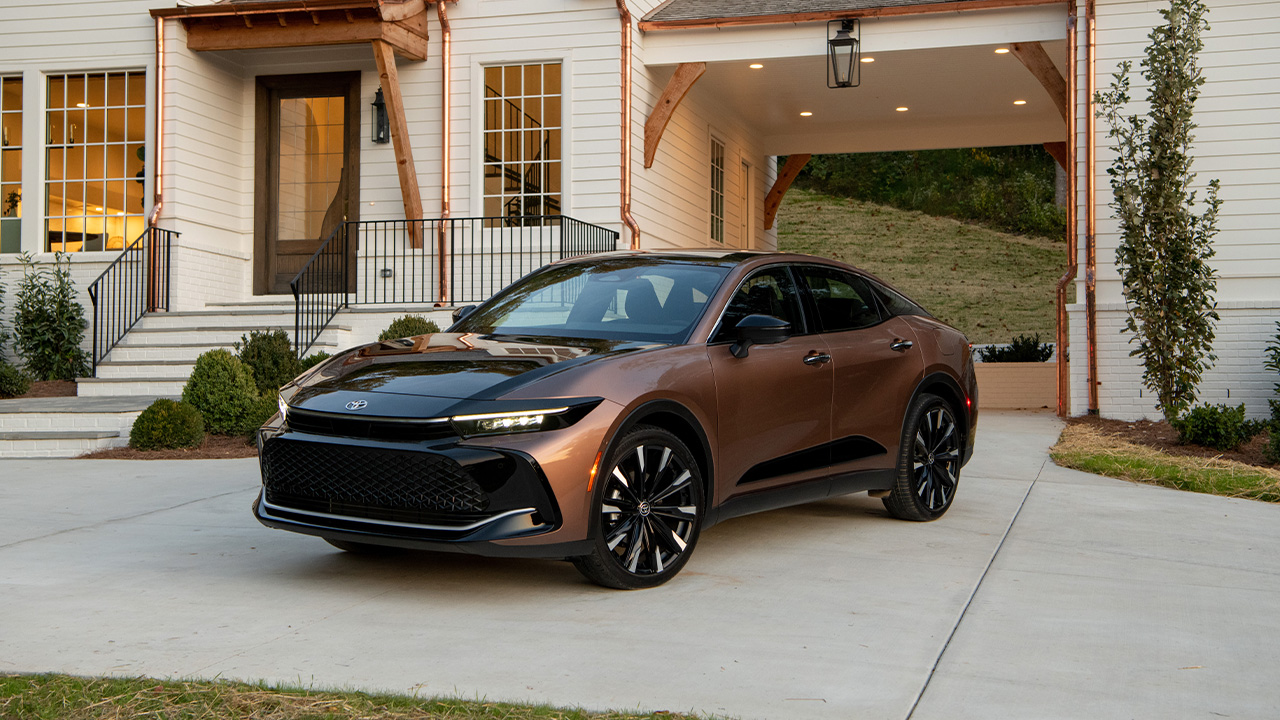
359	548
928	471
648	511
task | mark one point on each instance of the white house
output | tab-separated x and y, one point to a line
640	123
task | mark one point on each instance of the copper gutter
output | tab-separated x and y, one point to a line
1073	238
630	221
264	8
446	105
1091	214
788	18
159	139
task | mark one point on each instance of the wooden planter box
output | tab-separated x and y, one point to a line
1017	386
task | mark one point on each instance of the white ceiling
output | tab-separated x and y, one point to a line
957	97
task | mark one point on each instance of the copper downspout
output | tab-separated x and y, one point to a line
1091	214
446	59
626	125
1073	238
153	268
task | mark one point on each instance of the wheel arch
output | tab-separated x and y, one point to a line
679	421
945	387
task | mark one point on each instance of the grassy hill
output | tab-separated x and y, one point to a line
989	284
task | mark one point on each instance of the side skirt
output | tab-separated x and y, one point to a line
801	493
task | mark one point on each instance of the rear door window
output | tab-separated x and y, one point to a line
843	300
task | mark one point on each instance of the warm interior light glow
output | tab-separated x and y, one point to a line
868	59
82	105
902	109
755	66
1019	102
806	113
1002	51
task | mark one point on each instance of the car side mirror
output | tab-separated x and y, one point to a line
758	330
463	311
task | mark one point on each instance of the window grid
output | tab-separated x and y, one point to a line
10	164
717	190
94	170
522	140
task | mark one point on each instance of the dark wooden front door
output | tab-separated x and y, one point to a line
308	169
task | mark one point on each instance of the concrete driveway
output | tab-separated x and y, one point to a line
1044	593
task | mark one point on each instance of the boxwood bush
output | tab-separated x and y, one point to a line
222	389
1023	348
270	355
313	360
167	425
1216	426
408	326
13	382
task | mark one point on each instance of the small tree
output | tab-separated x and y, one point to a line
48	323
1164	247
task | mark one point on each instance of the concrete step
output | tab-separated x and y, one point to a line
251	319
222	335
130	369
57	444
130	352
129	387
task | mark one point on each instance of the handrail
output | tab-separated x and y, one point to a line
320	289
484	255
134	284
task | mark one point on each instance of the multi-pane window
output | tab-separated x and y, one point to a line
10	164
522	134
717	190
94	170
312	155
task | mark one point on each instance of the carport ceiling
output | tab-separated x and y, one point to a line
956	97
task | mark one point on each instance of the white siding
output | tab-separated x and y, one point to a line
1238	142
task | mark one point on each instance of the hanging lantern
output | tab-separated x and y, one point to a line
843	49
381	123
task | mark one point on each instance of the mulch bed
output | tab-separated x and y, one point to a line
1161	436
215	447
51	388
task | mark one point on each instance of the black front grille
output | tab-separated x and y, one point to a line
318	423
370	482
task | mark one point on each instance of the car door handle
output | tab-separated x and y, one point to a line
901	345
816	358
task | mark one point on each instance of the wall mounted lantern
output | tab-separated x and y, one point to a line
843	49
381	124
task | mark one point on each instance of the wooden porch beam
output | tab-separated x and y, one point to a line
409	192
677	87
1033	55
396	11
404	37
1059	152
772	201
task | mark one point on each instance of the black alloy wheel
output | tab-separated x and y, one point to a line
928	472
648	509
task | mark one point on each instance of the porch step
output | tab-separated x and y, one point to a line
66	426
133	352
130	387
248	317
215	336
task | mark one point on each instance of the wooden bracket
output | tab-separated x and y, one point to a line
677	87
409	192
1059	152
786	176
1033	55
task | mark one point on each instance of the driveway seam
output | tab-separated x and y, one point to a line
974	593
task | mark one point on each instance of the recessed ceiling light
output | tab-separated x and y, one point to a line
755	66
1019	102
82	104
97	209
868	59
806	113
902	109
1002	51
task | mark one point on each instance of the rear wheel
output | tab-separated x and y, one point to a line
928	470
648	509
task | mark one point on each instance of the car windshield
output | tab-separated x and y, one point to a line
641	299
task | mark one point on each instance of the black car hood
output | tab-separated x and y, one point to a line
436	375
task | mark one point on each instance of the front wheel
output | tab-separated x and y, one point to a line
928	471
648	510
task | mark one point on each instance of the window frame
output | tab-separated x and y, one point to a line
18	150
481	124
717	220
806	324
811	303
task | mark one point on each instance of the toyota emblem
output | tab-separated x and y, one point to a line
357	405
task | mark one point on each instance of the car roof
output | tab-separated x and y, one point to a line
724	258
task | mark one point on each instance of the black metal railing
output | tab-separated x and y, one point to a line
135	284
321	289
398	261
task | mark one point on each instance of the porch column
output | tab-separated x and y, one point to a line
409	192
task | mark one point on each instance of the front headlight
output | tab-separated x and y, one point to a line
509	422
284	408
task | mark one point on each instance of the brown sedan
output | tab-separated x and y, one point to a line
607	409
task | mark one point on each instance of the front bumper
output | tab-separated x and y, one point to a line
437	495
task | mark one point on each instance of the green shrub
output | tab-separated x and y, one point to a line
4	334
270	355
13	382
1217	426
263	408
167	425
1273	364
48	322
222	389
313	360
1023	348
408	326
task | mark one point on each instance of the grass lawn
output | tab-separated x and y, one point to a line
989	284
62	697
1085	447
